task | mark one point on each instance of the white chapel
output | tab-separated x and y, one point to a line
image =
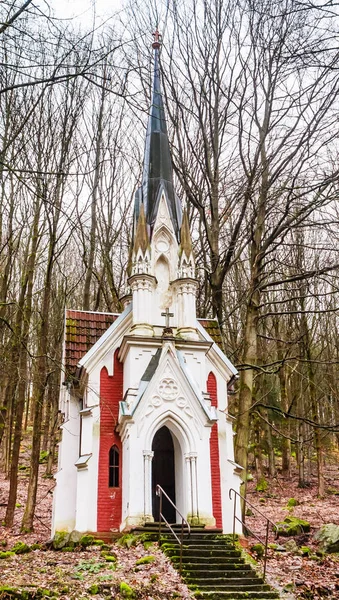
144	394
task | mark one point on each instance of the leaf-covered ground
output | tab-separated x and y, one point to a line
71	574
80	574
313	577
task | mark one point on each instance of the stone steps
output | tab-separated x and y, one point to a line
214	570
228	570
203	562
225	573
199	540
246	582
202	552
232	595
219	584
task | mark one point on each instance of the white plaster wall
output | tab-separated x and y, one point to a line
93	390
205	508
64	498
180	478
135	365
196	363
86	434
87	478
126	477
133	477
82	501
228	504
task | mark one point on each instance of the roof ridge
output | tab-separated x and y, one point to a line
92	312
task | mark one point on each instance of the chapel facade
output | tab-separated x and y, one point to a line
144	393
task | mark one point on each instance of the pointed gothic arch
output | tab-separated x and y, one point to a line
162	233
162	273
184	458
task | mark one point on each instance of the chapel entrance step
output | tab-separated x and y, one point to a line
194	529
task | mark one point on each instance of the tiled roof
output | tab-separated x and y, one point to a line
84	328
213	329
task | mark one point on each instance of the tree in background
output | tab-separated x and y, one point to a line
251	90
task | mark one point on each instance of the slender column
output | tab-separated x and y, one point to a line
195	512
148	455
189	485
191	465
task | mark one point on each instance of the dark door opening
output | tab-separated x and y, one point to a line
163	473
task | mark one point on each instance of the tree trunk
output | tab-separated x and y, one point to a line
94	193
246	390
25	309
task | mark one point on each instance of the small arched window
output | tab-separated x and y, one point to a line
113	475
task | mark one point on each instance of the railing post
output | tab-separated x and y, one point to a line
181	542
160	513
234	515
268	523
266	542
160	492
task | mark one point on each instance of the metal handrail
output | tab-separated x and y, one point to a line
161	492
268	523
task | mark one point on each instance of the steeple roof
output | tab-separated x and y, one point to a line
157	172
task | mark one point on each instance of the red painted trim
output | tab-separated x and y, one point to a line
109	499
214	455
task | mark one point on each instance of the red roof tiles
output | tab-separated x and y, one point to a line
84	328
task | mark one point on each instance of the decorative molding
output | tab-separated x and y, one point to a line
82	462
185	285
168	389
142	281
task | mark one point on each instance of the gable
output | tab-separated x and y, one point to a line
84	328
87	333
168	385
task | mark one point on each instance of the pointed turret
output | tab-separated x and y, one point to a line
141	255
186	260
141	282
157	173
141	241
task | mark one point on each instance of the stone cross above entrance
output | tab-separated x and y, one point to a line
168	315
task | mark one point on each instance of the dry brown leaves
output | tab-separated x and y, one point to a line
310	578
75	572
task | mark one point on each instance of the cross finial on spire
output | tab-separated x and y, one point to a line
157	39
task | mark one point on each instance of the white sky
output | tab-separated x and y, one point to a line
84	10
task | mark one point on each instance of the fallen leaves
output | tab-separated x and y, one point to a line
70	575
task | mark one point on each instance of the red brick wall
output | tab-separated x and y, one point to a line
109	499
214	454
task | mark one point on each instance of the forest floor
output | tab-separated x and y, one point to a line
309	577
71	574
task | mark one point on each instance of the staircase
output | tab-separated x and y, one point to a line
212	567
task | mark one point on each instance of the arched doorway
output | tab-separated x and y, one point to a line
163	473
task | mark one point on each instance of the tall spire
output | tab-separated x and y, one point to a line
157	173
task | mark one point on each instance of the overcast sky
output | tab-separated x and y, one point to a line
84	10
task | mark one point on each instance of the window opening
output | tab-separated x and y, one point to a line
113	467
